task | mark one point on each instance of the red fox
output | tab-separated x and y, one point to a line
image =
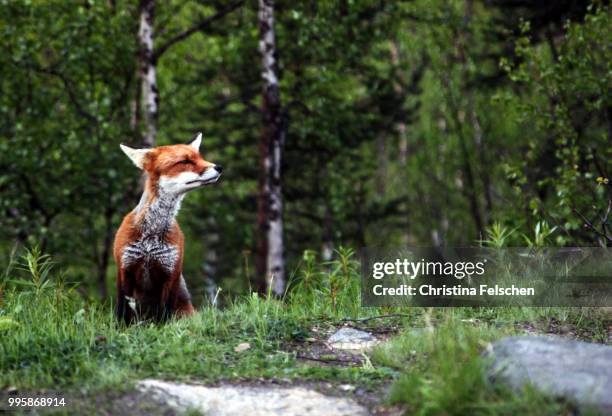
149	244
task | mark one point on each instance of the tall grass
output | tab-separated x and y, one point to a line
326	289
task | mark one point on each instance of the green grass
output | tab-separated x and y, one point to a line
51	338
443	372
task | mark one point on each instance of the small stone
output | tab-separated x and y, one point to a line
243	346
352	339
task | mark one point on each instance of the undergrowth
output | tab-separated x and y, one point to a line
52	338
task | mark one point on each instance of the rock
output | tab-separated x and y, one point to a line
578	371
230	400
352	339
243	346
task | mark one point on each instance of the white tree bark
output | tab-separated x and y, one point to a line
147	72
270	217
327	248
276	259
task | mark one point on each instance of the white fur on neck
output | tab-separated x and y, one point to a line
158	216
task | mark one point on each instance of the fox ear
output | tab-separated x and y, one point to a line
137	156
195	143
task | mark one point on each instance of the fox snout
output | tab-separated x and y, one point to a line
210	175
217	168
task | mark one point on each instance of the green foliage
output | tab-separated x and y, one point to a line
541	234
66	77
409	122
497	236
331	289
566	90
500	236
38	266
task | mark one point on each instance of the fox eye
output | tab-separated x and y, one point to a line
186	162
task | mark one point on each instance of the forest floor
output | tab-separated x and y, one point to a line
53	343
258	342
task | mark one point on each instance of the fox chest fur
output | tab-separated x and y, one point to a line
153	250
149	253
154	247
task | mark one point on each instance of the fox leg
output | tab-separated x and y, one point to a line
123	310
182	300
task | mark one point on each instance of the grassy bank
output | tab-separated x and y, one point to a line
51	338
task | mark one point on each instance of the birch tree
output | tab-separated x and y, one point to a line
147	72
270	243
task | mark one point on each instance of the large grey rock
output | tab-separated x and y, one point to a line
352	339
232	400
578	371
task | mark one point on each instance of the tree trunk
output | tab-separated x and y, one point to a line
397	87
105	256
147	73
327	248
480	146
401	130
381	166
270	242
211	260
470	173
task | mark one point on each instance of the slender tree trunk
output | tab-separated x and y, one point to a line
382	166
104	258
147	72
469	172
401	130
270	242
327	248
401	124
211	259
480	146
